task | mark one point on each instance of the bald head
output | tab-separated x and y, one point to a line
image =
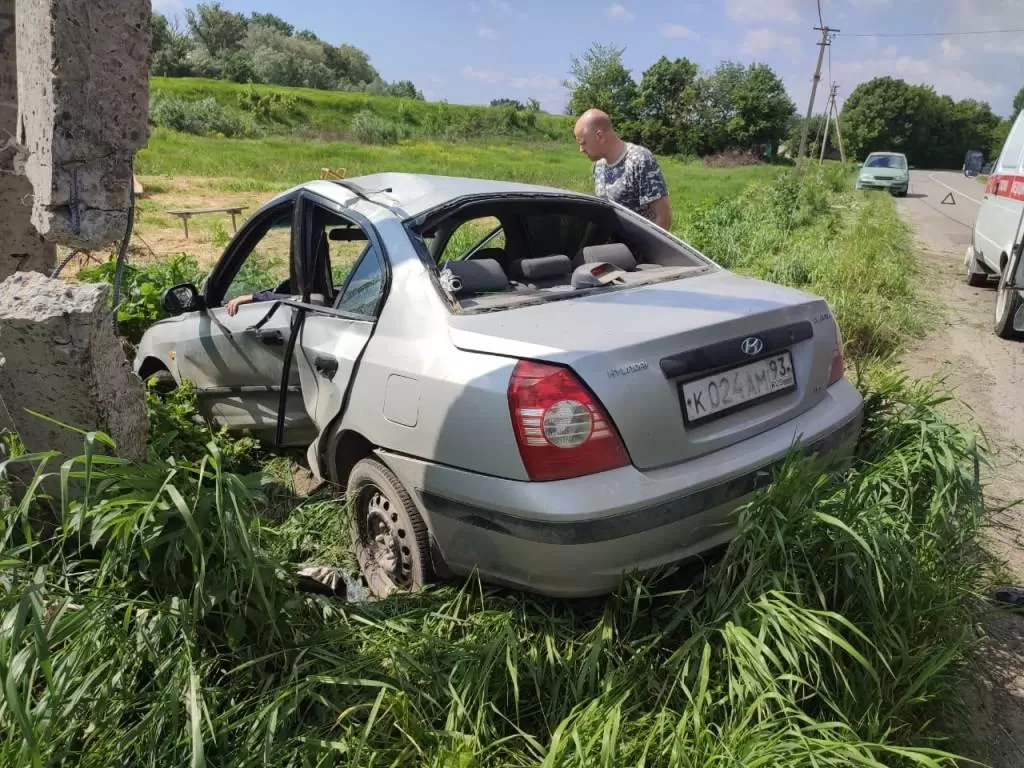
596	136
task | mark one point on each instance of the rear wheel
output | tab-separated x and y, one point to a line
390	539
976	276
1008	301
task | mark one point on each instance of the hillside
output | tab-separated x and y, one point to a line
217	107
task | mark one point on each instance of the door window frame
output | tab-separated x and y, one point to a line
307	203
241	247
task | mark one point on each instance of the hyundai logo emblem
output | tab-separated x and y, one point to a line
752	346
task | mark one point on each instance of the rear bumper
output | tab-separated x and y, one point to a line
574	538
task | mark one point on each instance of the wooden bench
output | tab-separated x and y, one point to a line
186	213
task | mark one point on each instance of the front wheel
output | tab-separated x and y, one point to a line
390	539
1008	302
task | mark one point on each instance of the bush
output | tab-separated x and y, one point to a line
142	289
268	107
370	128
204	117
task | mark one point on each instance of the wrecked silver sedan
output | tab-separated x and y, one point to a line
535	385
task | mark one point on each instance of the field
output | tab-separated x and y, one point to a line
155	618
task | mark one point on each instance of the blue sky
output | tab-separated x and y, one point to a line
470	51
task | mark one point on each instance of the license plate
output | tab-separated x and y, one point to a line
737	388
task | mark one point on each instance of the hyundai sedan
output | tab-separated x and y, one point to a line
534	385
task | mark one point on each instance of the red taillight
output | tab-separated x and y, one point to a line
838	364
561	429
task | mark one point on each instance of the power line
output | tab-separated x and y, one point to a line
935	34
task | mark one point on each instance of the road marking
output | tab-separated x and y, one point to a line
953	189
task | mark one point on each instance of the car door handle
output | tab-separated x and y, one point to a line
326	366
272	338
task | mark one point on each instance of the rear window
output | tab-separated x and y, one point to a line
886	161
526	251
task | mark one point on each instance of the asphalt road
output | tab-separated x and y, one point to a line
947	223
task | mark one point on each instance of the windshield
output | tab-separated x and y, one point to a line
885	161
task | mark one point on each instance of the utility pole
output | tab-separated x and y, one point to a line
828	121
825	31
839	133
832	116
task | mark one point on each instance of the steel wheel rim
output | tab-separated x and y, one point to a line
385	539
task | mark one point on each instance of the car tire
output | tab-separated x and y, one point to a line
976	276
162	382
1008	301
390	539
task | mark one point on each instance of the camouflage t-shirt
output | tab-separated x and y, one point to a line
634	181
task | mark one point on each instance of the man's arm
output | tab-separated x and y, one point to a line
654	191
661	212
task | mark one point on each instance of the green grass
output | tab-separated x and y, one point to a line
273	164
151	617
818	234
330	114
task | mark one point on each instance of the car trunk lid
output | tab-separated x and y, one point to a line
667	359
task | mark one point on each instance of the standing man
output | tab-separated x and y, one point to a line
624	172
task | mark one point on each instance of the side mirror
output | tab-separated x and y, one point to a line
182	298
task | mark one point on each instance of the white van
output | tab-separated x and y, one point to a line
997	232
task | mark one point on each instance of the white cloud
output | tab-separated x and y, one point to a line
947	78
483	75
487	33
1004	45
951	50
752	11
535	83
474	7
758	42
620	12
677	31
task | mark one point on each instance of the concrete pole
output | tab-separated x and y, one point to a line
839	133
814	89
824	139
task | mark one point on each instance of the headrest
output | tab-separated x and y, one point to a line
618	254
477	276
594	274
543	267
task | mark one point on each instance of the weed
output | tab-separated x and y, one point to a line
370	128
142	289
157	623
205	117
219	236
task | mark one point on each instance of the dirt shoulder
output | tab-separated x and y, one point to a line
986	375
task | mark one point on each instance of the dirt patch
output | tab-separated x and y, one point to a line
986	376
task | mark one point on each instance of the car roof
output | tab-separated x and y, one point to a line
416	193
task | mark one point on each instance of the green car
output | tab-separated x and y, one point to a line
885	170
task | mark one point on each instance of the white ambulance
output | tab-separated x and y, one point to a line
995	248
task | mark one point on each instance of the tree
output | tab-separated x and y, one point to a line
667	106
272	21
600	80
505	102
1018	103
404	89
879	115
170	49
762	110
221	32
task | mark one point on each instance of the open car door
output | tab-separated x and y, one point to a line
235	358
343	261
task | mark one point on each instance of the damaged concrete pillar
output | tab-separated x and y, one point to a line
62	359
83	97
21	245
